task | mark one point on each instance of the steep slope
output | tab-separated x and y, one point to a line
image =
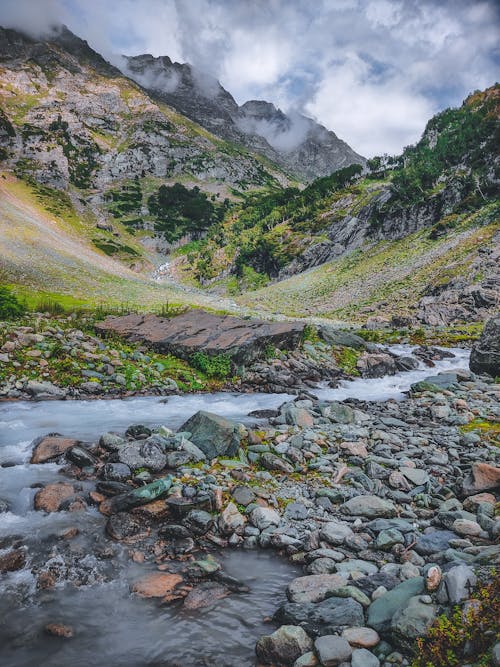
302	147
72	122
434	196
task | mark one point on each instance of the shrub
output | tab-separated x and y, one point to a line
217	366
10	306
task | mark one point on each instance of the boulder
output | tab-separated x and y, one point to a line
12	560
412	621
158	585
371	507
284	646
485	354
332	650
330	615
53	496
382	610
212	434
314	588
50	447
142	455
483	477
376	365
197	331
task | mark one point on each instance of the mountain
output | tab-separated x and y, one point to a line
415	235
302	147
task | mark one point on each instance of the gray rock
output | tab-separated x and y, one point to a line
485	354
335	532
284	645
314	588
386	539
214	435
243	495
332	650
434	542
323	617
263	517
111	441
495	654
382	610
116	472
457	584
142	455
412	621
41	390
361	657
369	506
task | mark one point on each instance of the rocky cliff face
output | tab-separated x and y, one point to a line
72	121
298	144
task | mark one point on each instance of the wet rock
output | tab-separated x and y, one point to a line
212	434
314	588
111	488
283	646
361	637
369	506
141	496
160	585
81	457
137	431
52	497
50	447
205	595
12	560
198	522
376	365
111	441
485	354
332	650
59	630
124	527
382	610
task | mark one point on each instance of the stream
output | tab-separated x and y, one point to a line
112	627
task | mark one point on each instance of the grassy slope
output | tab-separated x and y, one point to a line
385	278
48	254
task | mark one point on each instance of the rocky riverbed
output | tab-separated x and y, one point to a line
386	510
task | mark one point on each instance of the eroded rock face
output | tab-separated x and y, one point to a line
485	355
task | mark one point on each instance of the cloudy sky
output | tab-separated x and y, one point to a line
374	71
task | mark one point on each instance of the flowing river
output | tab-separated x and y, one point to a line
113	627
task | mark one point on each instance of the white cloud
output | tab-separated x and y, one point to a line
371	70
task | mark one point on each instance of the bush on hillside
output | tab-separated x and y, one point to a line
10	307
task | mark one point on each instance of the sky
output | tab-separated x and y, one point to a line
373	71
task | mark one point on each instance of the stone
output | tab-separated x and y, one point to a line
283	646
213	435
483	477
335	532
137	431
457	585
412	621
230	519
81	457
59	630
382	610
332	650
361	657
296	512
306	660
435	542
116	472
298	417
244	340
324	617
415	475
495	655
53	496
198	522
485	354
12	560
263	517
111	441
314	588
271	461
124	527
386	539
371	507
433	578
361	637
205	595
243	495
45	390
376	365
141	496
159	585
466	527
142	455
50	447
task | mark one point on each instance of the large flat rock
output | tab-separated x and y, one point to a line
243	340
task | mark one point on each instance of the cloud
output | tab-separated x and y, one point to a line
371	70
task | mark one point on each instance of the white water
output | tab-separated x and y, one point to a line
393	386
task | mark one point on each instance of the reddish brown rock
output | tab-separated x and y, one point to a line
59	630
243	340
471	503
51	497
51	447
163	585
484	477
12	560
